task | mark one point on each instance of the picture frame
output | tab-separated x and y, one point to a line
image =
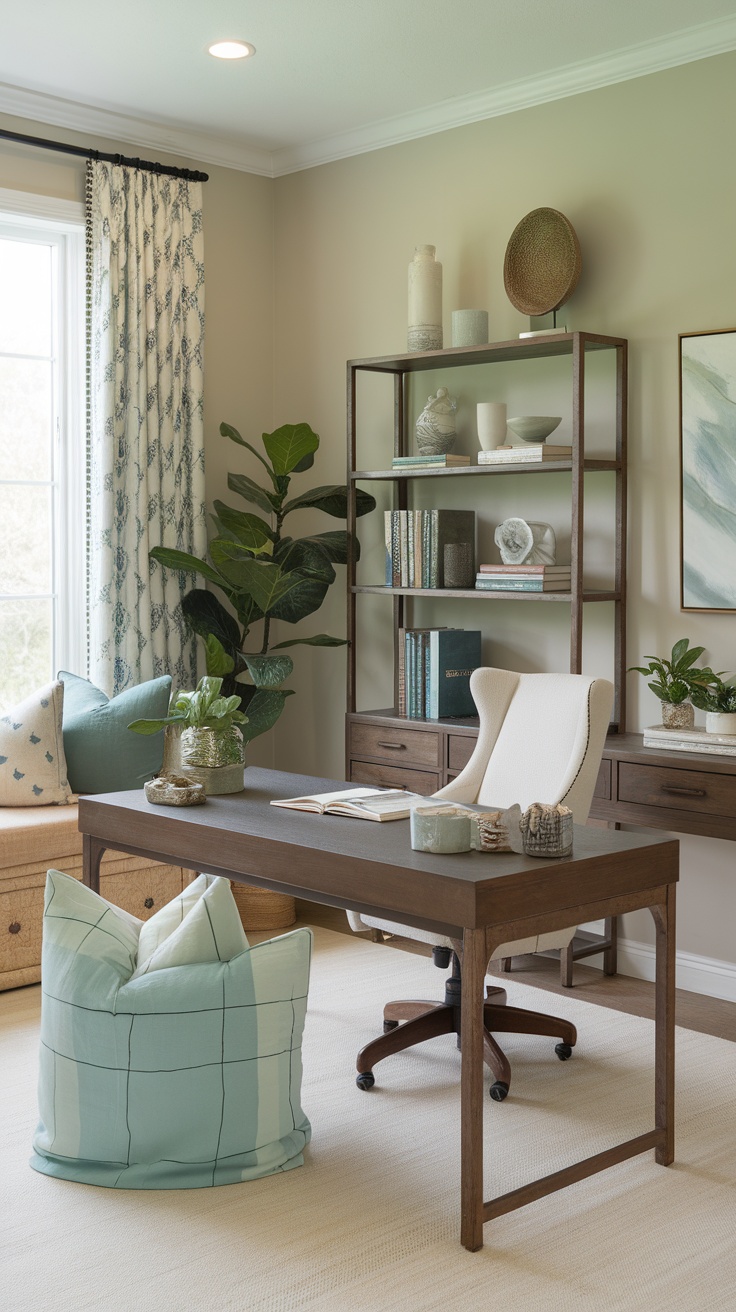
707	370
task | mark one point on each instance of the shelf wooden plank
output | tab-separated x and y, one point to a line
522	467
491	594
529	348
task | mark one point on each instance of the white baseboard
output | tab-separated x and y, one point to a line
707	975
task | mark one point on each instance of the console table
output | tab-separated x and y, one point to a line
685	792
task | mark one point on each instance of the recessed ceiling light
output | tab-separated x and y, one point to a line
231	49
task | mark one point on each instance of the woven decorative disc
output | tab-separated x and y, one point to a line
543	262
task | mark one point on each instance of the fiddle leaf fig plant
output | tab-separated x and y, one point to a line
676	680
264	573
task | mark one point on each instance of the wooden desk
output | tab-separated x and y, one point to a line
483	899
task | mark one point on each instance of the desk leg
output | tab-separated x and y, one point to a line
475	960
664	1087
92	852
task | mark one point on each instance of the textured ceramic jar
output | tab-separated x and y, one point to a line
681	716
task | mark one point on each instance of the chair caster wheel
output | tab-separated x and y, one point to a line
564	1051
365	1080
389	1025
499	1091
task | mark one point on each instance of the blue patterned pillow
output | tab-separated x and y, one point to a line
181	1078
32	761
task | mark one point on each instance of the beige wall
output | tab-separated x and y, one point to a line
642	170
238	225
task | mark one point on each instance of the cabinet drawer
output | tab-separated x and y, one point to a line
460	748
142	892
603	782
684	790
21	916
391	776
404	746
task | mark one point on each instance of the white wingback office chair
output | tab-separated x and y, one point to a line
540	739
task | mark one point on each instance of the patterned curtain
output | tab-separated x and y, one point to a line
145	289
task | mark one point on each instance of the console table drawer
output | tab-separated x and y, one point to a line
460	748
687	790
403	746
391	776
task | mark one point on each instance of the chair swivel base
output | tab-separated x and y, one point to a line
423	1020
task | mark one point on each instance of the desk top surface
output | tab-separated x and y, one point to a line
359	860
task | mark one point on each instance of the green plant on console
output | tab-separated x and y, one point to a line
676	680
265	574
718	699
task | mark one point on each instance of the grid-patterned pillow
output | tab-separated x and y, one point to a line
183	1077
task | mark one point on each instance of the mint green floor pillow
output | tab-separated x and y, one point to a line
171	1051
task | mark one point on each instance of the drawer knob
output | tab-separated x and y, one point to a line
394	747
684	792
148	903
14	928
398	787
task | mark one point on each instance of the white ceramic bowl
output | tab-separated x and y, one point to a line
534	428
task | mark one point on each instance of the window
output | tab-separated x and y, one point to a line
42	443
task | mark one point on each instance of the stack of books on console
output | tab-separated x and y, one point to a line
527	455
435	666
690	740
416	541
429	462
523	578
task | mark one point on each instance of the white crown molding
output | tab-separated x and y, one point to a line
198	147
683	47
699	42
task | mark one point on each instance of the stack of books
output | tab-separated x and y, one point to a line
527	455
523	578
435	666
690	740
429	462
416	541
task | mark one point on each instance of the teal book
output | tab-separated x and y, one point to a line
454	654
448	526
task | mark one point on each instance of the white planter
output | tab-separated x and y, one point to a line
720	722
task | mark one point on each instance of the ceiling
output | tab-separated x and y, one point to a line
330	78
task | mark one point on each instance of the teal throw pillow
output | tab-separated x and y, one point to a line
183	1077
102	754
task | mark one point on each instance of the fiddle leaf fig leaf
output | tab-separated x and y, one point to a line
219	662
249	529
264	709
319	640
269	671
250	491
289	445
206	615
266	584
181	560
227	430
332	499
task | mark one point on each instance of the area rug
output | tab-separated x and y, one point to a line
371	1222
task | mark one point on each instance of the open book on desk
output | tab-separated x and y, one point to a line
360	803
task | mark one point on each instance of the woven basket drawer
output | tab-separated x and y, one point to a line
142	892
21	915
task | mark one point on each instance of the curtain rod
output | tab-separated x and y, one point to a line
169	170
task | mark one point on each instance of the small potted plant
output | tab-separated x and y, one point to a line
719	703
675	680
206	728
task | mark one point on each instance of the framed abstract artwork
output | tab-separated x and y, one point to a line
708	470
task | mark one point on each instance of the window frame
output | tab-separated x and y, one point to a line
61	223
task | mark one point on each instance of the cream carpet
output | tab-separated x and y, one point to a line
371	1222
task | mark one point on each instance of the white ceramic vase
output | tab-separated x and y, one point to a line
491	422
425	301
720	722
